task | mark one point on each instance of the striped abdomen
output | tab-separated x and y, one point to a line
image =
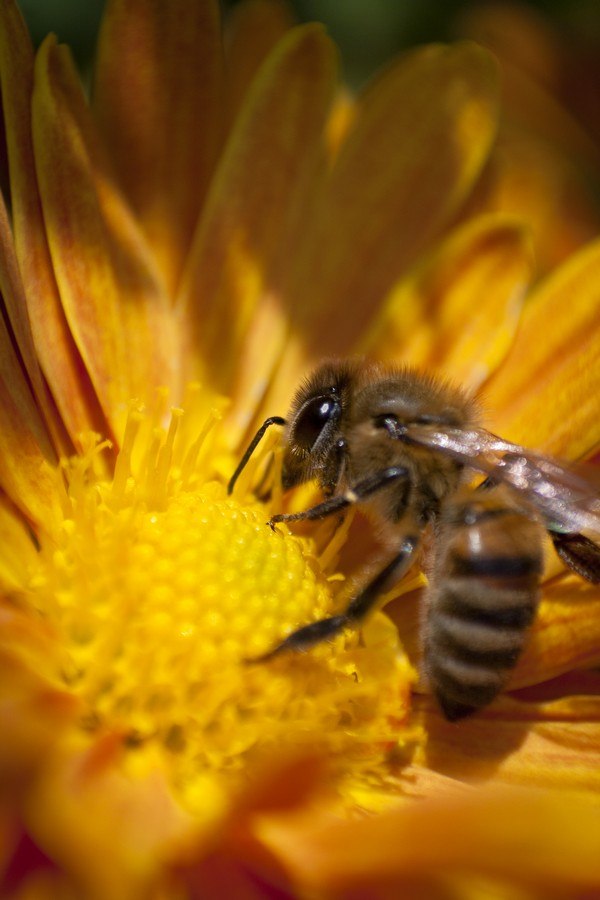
483	594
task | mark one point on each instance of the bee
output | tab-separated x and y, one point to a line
407	448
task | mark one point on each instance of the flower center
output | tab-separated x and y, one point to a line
163	589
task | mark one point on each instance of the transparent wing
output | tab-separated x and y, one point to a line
567	501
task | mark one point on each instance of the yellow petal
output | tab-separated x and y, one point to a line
158	98
421	133
459	311
249	229
545	395
112	296
58	356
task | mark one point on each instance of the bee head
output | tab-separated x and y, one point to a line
313	438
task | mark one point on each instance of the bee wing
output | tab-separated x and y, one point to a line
567	502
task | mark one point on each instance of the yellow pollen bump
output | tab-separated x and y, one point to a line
160	587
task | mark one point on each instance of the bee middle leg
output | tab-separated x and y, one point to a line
324	629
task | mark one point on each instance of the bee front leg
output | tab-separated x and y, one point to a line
358	493
357	609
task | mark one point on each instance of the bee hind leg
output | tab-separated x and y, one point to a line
579	553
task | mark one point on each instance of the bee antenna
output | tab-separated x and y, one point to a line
272	420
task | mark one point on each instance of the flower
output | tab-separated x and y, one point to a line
212	222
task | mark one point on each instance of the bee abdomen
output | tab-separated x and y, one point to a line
482	598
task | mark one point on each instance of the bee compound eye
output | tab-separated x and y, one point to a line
312	419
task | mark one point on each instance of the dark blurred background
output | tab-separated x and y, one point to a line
367	31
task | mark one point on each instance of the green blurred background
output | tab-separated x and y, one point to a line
367	31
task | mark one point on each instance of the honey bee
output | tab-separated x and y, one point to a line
407	448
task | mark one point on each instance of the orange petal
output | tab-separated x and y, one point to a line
545	161
249	229
518	34
536	66
253	29
112	296
17	556
34	709
533	179
58	356
158	98
13	296
545	395
547	844
567	685
240	866
565	634
84	797
553	744
340	121
25	871
459	311
26	452
421	133
419	136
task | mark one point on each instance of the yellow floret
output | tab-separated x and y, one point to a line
162	589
